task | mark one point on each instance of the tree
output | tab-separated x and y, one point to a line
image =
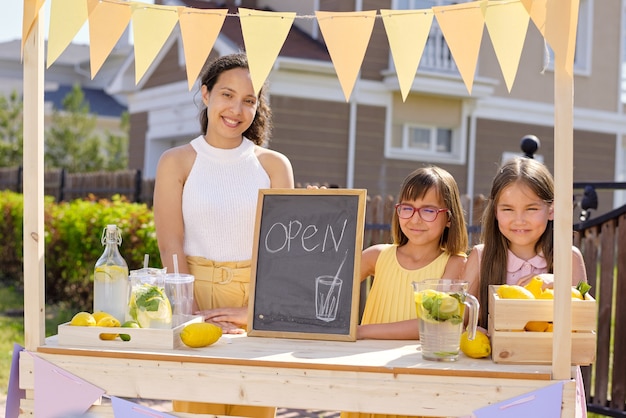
73	143
11	130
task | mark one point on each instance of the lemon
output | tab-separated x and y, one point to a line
479	347
550	327
535	286
514	292
576	294
546	294
108	321
99	315
83	319
200	334
128	324
536	326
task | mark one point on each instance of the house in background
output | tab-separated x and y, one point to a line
374	140
71	68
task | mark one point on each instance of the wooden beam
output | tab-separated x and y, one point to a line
33	188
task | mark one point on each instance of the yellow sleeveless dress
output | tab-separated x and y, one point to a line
391	298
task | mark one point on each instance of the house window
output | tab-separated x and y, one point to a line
428	143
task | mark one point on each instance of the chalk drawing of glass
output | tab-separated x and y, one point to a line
327	292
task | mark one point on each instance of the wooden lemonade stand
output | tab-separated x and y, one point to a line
367	375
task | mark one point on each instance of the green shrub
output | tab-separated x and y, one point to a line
73	232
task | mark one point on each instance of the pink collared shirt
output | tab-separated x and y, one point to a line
518	268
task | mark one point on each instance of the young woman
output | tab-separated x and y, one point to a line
205	201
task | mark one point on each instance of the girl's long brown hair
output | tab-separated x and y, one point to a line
537	178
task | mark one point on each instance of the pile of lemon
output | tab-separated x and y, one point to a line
103	319
534	290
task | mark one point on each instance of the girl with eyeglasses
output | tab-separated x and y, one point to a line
430	241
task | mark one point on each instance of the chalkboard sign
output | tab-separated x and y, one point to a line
306	264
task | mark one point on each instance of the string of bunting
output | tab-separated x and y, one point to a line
346	34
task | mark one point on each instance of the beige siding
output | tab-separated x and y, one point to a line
313	134
137	140
597	90
377	54
590	151
168	71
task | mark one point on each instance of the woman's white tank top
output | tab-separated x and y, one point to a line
219	201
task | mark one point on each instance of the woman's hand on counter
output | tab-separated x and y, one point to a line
231	320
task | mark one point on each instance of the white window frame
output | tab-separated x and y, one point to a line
404	152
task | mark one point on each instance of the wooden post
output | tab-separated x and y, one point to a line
34	262
563	219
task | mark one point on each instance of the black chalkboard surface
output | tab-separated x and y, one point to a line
306	263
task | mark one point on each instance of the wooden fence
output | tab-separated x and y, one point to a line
64	186
603	243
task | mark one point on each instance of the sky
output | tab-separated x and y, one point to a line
11	21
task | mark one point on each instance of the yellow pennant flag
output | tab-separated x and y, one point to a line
29	17
264	34
152	26
66	19
197	44
347	35
107	22
537	11
557	21
561	26
507	24
407	32
462	26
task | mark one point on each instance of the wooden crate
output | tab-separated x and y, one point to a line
511	344
147	338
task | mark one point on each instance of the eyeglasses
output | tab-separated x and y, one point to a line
427	213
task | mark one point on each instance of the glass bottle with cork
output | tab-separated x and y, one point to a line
110	280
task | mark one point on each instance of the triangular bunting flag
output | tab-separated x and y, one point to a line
59	393
29	17
542	403
197	44
107	22
462	26
537	11
407	32
507	24
14	393
561	25
264	34
347	35
126	409
66	19
152	26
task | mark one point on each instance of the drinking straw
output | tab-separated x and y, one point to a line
175	257
332	285
146	257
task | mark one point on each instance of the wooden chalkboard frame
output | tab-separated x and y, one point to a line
269	313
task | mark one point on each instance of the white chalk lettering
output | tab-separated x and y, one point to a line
280	235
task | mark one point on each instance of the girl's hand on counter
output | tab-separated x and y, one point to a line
231	320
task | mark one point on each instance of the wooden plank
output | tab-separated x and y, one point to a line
590	255
562	224
618	381
604	294
362	391
34	256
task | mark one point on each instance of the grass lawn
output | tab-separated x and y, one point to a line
12	328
